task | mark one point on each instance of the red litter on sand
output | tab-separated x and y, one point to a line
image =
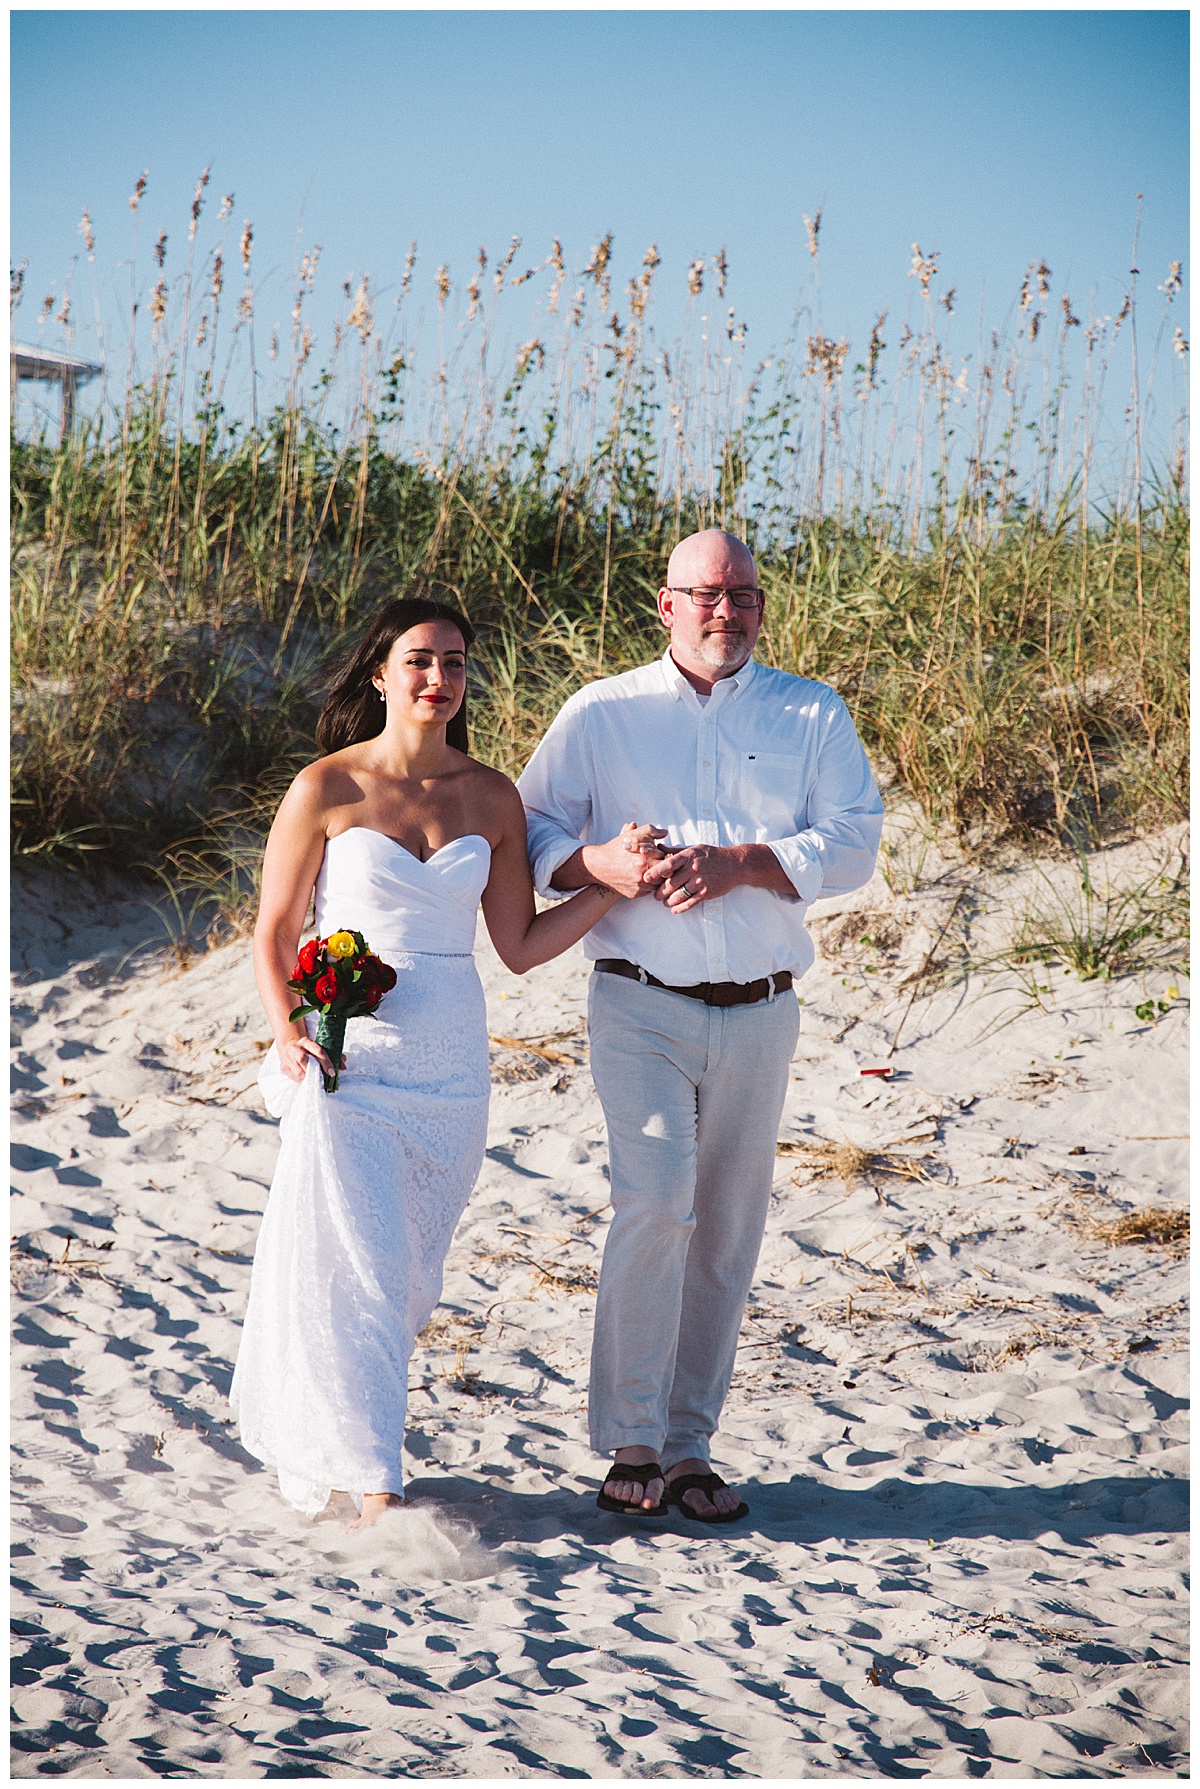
885	1074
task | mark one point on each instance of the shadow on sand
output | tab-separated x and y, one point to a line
802	1510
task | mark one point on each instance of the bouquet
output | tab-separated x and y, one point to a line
340	978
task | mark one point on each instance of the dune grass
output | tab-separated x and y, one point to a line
1014	651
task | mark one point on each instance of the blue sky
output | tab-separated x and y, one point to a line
998	138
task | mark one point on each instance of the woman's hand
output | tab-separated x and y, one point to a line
294	1053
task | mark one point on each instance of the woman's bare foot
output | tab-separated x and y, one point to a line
722	1501
629	1490
374	1504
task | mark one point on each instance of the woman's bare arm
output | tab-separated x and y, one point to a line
524	937
295	847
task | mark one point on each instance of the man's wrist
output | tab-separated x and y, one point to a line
759	867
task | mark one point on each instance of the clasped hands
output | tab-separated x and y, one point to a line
633	864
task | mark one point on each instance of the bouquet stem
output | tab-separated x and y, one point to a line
331	1035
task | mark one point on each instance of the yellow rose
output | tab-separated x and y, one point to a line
341	944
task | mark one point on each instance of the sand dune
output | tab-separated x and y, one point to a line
959	1406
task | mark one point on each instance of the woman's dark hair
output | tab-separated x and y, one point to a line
352	711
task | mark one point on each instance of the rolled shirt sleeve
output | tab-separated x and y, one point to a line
836	851
555	787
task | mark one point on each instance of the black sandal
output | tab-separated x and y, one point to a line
622	1472
708	1482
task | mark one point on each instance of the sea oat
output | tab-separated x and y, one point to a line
218	278
1170	285
498	276
409	263
812	226
226	206
198	203
722	267
246	242
555	260
875	348
527	352
442	283
160	249
360	317
85	230
923	267
139	189
158	303
1179	342
826	357
16	284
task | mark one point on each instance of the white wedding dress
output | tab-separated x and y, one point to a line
371	1180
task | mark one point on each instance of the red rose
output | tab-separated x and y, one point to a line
327	987
307	961
385	975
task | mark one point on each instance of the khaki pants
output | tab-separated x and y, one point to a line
692	1096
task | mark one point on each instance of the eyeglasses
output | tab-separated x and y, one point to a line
708	599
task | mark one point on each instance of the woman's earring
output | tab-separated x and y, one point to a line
380	693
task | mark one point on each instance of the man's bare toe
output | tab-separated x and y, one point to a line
631	1491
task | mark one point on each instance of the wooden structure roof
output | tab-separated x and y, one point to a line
65	369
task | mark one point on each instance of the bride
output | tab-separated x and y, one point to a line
403	836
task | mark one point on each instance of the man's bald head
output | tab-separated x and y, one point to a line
710	643
711	557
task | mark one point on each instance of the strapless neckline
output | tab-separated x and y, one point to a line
388	839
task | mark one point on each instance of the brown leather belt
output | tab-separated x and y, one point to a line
713	993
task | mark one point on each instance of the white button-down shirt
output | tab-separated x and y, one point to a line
769	759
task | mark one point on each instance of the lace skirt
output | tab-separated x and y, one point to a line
370	1183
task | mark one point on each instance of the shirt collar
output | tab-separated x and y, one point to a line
680	688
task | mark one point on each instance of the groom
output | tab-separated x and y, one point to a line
758	789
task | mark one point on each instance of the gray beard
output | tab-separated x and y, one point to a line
724	652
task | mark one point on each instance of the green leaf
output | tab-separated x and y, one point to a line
300	1012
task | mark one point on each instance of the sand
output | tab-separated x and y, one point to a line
958	1410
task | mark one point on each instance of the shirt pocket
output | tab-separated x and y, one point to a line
771	791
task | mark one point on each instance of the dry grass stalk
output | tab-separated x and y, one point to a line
543	1047
1151	1227
849	1162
